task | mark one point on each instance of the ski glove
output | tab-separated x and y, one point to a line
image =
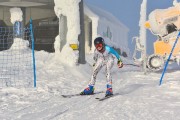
120	63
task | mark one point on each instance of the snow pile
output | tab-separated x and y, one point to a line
16	15
20	44
67	57
57	46
16	65
70	9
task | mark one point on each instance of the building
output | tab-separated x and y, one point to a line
102	23
97	22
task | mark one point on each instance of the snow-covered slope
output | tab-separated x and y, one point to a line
140	96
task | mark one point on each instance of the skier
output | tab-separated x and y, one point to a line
103	56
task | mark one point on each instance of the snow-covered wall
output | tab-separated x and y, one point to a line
107	26
70	9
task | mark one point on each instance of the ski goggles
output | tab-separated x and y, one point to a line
99	45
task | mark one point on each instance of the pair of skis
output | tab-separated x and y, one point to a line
106	97
100	99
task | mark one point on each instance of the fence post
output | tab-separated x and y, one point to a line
33	55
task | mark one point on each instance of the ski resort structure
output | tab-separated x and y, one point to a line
165	24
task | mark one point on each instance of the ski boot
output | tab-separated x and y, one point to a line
109	91
88	91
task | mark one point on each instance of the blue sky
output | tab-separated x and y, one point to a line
128	12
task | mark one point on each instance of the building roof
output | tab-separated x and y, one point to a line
94	11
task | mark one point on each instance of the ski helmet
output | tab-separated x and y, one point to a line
99	41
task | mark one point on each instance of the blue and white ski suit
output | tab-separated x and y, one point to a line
104	59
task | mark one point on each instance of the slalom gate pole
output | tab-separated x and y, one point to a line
160	82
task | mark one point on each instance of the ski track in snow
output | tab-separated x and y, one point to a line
140	97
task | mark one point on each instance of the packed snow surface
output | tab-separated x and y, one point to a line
140	96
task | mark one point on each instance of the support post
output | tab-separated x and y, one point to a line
81	37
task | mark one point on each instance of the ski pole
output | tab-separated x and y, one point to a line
169	59
132	65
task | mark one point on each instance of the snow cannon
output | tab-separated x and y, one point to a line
164	21
165	24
